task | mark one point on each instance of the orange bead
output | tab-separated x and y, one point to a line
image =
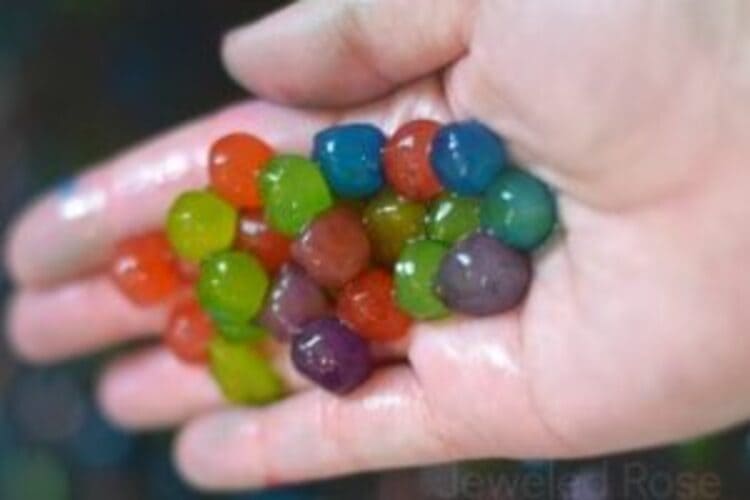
272	248
235	161
189	332
407	164
145	269
368	306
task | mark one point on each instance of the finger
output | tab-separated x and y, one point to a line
153	389
324	52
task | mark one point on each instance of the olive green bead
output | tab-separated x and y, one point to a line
243	373
200	223
452	218
391	221
232	286
416	270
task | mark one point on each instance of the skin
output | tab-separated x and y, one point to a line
635	330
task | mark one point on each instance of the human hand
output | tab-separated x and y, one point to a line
633	333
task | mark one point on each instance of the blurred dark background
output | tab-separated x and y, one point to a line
80	79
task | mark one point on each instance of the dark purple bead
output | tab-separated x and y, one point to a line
332	355
481	276
295	300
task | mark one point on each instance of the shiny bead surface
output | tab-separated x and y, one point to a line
243	374
481	276
332	355
232	286
391	221
272	248
145	269
367	304
189	332
294	193
519	209
235	161
350	158
406	159
452	217
467	156
199	224
334	248
416	271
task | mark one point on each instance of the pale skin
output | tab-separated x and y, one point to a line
635	329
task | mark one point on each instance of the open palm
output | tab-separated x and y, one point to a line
634	332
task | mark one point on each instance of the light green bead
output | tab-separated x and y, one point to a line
199	224
294	192
243	374
415	275
241	332
452	218
232	286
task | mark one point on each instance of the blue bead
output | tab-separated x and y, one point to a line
350	158
467	156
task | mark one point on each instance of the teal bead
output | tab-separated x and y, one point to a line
452	218
232	287
519	210
415	276
294	192
199	224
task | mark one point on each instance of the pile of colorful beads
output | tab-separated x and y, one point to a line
338	251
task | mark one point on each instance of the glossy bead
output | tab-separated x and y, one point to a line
189	332
519	209
332	355
294	192
272	248
235	161
480	276
467	156
145	269
241	332
243	374
452	218
350	158
334	248
295	299
416	271
391	221
232	286
368	306
406	160
199	224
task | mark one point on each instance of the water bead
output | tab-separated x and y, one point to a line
481	276
519	210
145	269
189	332
294	192
272	248
232	286
241	332
406	160
332	355
391	221
350	158
334	248
295	299
452	217
367	305
235	161
243	374
199	224
467	156
416	271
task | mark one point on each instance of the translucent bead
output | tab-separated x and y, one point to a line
243	373
199	224
391	222
416	271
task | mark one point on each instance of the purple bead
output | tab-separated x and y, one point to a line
295	300
332	355
481	276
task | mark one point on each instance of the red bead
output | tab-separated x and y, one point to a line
235	161
368	306
407	161
189	332
272	248
145	269
334	248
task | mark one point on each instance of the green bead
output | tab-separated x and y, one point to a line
519	210
452	218
232	286
416	270
241	332
391	222
199	224
243	374
294	192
